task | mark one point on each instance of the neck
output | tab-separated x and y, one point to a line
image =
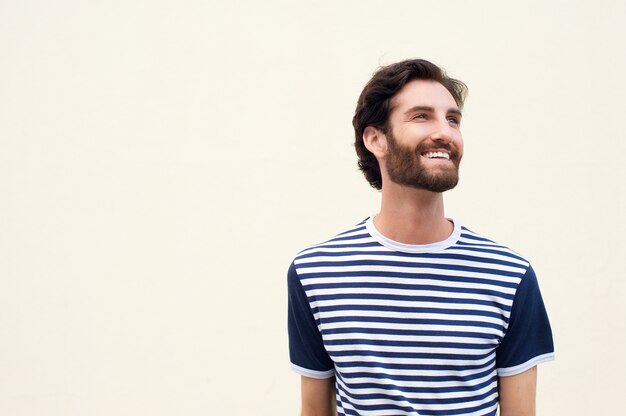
412	216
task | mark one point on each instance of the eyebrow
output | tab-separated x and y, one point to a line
431	109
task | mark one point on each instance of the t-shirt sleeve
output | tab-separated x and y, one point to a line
306	348
528	339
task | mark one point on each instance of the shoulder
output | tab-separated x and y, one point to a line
333	251
354	236
487	247
493	255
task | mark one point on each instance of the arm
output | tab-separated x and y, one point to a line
517	393
318	396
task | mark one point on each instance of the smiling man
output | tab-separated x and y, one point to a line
409	312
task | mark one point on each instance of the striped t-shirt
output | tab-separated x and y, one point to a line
415	329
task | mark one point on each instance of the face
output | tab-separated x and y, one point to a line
424	142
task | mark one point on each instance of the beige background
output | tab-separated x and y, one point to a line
163	161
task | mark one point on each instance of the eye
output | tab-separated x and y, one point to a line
454	120
418	116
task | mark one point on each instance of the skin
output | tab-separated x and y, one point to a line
409	215
518	393
423	113
318	396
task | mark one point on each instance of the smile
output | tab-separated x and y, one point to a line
434	155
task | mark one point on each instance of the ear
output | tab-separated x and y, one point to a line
375	141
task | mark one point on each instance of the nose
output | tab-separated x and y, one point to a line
443	131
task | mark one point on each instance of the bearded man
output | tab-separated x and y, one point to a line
409	312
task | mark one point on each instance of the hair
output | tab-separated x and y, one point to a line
374	104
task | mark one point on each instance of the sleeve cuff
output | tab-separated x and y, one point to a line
517	369
312	373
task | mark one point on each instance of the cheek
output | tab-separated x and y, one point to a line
458	141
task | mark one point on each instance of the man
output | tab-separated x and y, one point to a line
409	312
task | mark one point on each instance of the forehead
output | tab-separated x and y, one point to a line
421	92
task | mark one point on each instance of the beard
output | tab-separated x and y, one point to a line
405	166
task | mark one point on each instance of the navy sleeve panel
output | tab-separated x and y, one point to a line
306	348
528	340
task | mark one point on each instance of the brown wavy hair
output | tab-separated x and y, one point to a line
374	104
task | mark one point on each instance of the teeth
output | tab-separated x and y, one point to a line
432	155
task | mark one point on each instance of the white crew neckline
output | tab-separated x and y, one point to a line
413	248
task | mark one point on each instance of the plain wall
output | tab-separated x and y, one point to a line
163	161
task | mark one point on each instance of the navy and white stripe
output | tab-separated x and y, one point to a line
414	329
